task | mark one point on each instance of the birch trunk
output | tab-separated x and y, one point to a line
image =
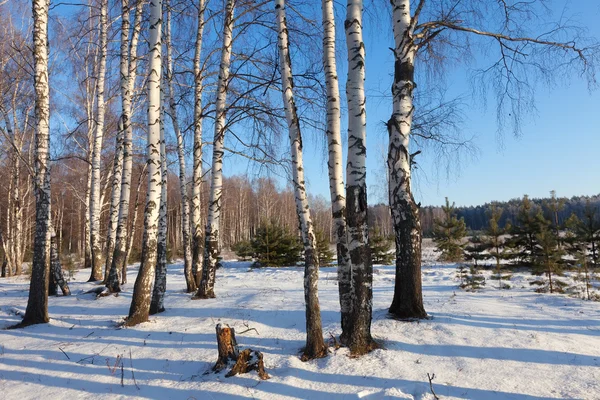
95	201
37	304
56	275
140	302
157	305
361	268
128	72
211	236
408	296
136	206
114	201
315	346
335	167
88	250
185	205
197	173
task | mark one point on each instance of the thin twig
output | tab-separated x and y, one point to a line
66	355
431	378
132	374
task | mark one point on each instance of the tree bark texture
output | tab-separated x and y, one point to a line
408	295
197	173
157	305
37	304
335	166
142	291
359	338
95	201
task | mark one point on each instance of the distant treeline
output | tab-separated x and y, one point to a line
477	217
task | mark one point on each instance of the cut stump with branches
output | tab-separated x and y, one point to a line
245	361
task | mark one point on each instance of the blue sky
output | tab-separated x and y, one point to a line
558	149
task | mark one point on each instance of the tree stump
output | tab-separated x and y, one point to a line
246	361
228	348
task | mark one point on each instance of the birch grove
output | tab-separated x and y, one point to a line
142	291
206	289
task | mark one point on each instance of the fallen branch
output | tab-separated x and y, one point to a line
66	355
431	378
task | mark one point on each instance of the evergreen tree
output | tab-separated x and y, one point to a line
461	275
529	223
554	205
274	246
548	260
448	234
380	248
475	250
324	253
475	280
496	242
243	249
586	231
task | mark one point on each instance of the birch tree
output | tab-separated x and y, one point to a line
128	73
114	201
206	289
520	62
315	346
197	173
95	203
185	205
160	275
37	304
142	291
334	163
359	338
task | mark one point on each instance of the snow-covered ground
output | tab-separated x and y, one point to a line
510	344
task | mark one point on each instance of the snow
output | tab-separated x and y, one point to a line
491	344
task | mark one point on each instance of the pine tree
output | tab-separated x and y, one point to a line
475	280
496	243
461	275
243	249
448	234
523	240
324	253
474	250
586	231
548	260
274	246
380	248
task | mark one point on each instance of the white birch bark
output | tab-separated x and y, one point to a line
157	304
114	201
315	346
95	201
128	72
335	163
408	298
142	291
359	338
211	235
197	173
37	305
185	204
